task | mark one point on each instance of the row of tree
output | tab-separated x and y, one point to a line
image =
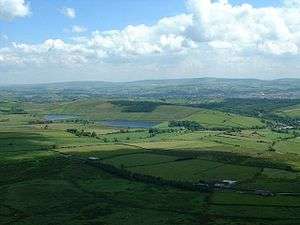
126	174
187	124
81	133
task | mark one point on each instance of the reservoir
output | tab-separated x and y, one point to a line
58	117
129	123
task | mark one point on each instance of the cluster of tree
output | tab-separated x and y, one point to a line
81	121
275	121
81	133
137	106
189	125
155	131
126	174
40	122
228	130
112	140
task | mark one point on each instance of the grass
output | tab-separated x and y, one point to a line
102	110
217	119
136	160
255	207
292	111
197	169
39	186
56	190
289	146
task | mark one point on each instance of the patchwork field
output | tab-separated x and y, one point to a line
104	175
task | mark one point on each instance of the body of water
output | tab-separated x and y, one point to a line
128	123
57	117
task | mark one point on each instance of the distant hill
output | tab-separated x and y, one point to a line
160	89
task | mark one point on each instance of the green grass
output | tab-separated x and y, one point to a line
280	174
136	160
217	119
197	169
102	110
246	199
59	191
289	146
39	186
102	150
293	112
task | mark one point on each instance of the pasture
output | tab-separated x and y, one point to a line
47	176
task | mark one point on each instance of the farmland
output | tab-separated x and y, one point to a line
78	171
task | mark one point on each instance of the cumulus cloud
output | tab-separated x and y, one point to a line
211	38
68	12
10	9
245	28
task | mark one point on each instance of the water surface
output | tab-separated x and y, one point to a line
129	123
58	117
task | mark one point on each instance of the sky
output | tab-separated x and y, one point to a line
124	40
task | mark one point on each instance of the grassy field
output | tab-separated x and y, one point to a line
196	169
217	119
103	110
46	177
293	111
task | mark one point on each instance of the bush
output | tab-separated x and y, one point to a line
189	125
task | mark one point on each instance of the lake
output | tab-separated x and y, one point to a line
129	123
58	117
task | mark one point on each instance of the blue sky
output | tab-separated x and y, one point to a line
46	21
123	40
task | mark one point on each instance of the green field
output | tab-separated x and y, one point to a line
51	176
293	111
102	110
217	119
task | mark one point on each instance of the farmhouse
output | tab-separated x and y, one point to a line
93	158
225	184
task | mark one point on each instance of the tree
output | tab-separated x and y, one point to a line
93	134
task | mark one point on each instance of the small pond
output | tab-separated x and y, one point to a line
128	123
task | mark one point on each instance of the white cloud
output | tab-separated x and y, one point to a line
69	12
212	38
245	28
292	3
10	9
78	29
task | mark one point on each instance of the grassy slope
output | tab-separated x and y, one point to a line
293	111
211	119
101	110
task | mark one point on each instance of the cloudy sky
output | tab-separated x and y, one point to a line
122	40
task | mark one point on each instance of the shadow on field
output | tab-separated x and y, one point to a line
14	141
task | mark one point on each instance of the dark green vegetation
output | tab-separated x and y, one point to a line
186	124
78	172
136	106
